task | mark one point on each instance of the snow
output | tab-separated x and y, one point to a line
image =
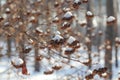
68	48
56	19
100	32
108	47
30	41
2	2
17	61
7	9
57	33
57	64
93	34
49	69
32	18
89	13
66	9
43	52
43	77
33	11
110	18
71	40
65	23
52	60
39	0
87	39
68	14
117	39
104	74
88	72
76	1
1	17
97	77
39	29
83	21
7	23
62	73
20	23
97	66
57	37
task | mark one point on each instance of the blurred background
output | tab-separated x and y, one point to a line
27	28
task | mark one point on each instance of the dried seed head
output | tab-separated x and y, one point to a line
27	50
39	30
111	19
1	18
107	42
17	62
39	1
89	77
57	38
71	39
84	1
117	39
7	10
56	4
89	14
76	3
69	51
93	34
83	23
56	20
48	71
28	13
87	40
65	25
66	9
72	42
7	24
100	32
33	19
30	41
108	47
39	58
57	67
68	16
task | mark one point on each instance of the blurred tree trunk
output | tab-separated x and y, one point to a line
22	29
37	64
21	47
116	6
0	6
9	16
9	45
99	37
36	46
22	38
88	33
36	49
109	37
116	11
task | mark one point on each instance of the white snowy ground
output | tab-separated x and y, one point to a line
8	72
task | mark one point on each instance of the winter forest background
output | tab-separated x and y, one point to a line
59	40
